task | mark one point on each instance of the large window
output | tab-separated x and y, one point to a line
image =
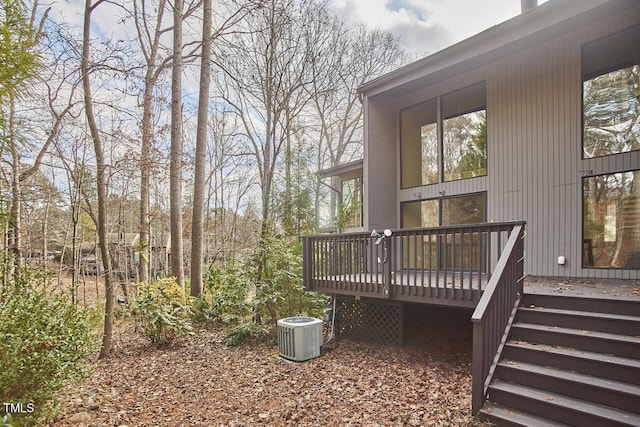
611	94
419	130
467	209
464	133
611	224
450	148
438	251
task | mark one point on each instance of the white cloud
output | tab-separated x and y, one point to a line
426	26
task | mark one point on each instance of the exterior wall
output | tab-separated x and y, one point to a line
535	165
381	165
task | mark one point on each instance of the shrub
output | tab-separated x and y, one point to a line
45	343
253	292
161	311
276	271
242	332
203	310
229	290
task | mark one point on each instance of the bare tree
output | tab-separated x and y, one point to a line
229	180
105	348
266	72
175	165
149	36
199	185
350	56
201	147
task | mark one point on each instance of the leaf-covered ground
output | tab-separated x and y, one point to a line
204	382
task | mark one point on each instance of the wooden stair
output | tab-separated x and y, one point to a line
569	361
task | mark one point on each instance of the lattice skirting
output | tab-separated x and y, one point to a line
370	321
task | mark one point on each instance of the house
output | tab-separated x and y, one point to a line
515	152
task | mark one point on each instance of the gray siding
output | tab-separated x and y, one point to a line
535	165
380	166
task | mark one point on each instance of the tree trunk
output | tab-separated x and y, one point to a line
16	196
105	349
150	79
175	168
201	151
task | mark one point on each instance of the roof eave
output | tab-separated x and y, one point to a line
341	169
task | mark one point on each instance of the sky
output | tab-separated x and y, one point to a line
427	26
423	26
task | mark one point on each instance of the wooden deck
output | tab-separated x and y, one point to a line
445	265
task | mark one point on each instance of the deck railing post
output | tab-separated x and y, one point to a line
386	266
307	265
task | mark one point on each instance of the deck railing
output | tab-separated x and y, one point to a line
452	263
494	314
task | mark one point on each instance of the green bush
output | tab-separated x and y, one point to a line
162	311
253	292
229	288
46	341
203	310
276	270
243	331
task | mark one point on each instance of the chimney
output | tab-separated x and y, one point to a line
527	5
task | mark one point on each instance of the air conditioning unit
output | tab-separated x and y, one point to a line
299	338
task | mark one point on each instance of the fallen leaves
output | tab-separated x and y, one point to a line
204	382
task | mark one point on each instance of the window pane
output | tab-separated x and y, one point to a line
463	210
439	251
611	108
351	208
419	145
423	213
420	252
611	221
464	133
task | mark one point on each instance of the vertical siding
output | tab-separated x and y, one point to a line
380	189
535	165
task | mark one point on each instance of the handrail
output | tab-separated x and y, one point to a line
494	314
503	224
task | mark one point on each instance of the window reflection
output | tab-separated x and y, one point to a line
419	145
611	107
351	207
465	146
611	221
455	144
467	209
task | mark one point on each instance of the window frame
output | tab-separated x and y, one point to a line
440	133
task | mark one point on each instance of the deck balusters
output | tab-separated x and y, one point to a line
451	264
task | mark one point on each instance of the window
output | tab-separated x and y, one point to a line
439	250
419	145
467	209
449	149
351	206
464	133
611	94
611	220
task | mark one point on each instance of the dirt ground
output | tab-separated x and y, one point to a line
204	382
